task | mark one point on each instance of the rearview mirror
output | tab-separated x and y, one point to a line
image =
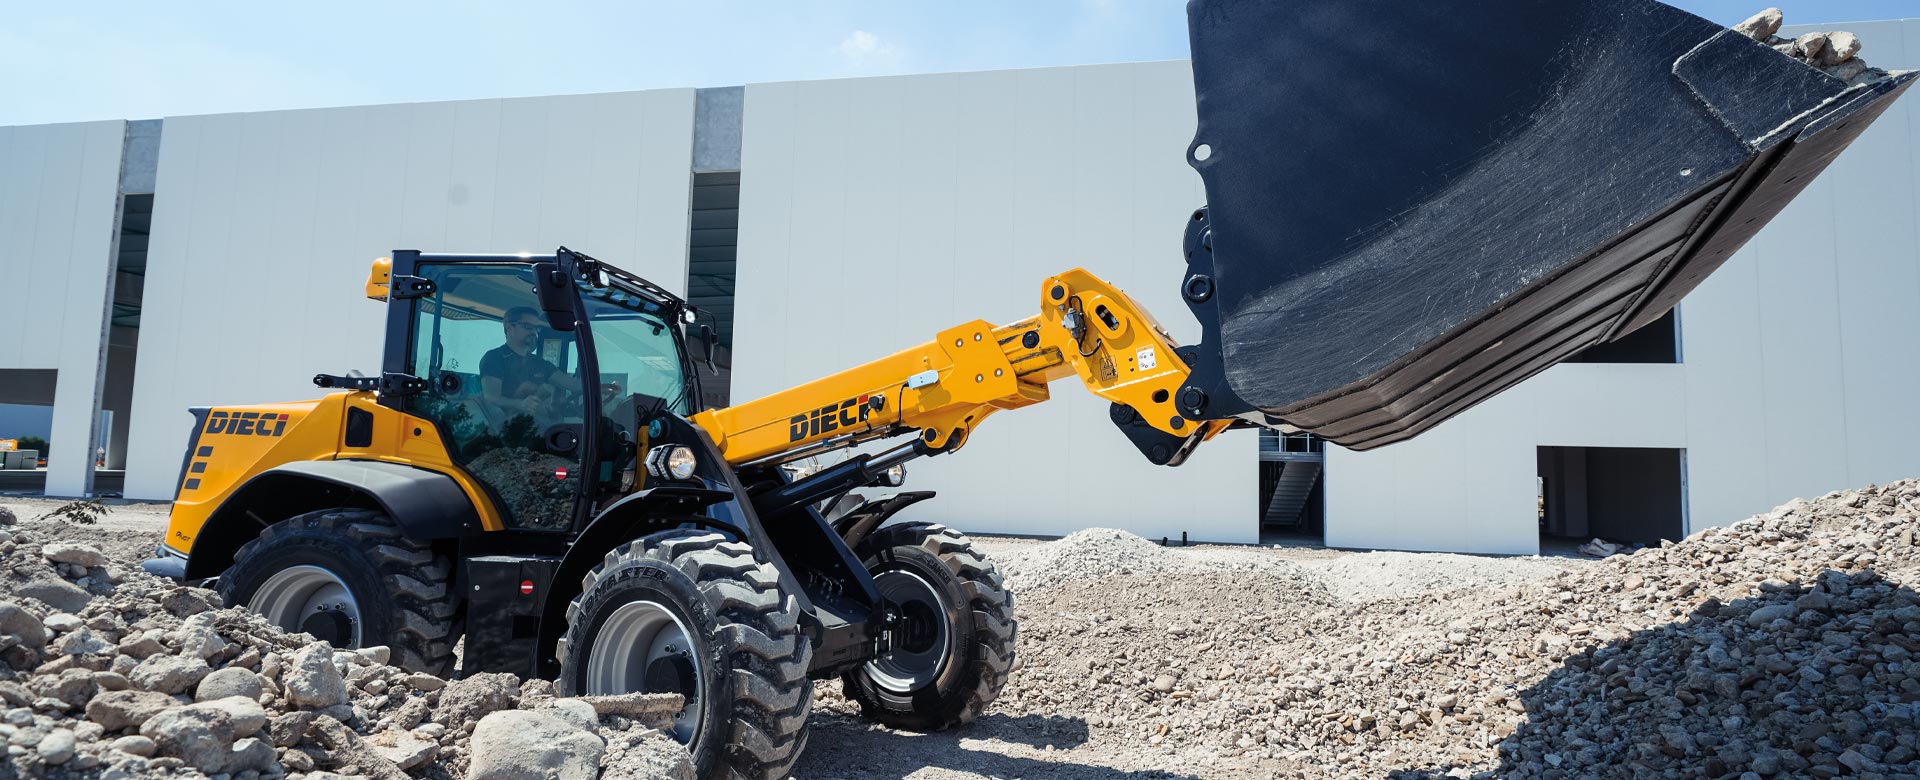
709	343
556	295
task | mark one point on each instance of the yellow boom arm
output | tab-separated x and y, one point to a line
944	388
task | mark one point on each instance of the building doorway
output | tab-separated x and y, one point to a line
1626	495
1292	497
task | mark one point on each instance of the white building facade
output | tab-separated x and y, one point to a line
839	221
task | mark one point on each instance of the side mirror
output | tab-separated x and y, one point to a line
556	295
709	343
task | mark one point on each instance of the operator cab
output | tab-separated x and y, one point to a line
537	370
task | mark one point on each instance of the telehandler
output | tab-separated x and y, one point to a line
1400	224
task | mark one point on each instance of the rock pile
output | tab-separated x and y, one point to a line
1103	552
1835	53
1781	646
1377	575
107	672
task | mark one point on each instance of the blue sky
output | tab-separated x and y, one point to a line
96	60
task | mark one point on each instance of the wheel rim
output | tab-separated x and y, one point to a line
921	647
313	600
643	647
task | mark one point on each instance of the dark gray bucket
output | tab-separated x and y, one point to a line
1414	206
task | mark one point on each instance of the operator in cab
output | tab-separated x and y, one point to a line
515	379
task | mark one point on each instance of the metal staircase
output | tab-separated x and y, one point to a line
1291	491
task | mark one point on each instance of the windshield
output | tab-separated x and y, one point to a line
640	365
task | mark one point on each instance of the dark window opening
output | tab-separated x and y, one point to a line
713	236
1658	342
123	335
1630	495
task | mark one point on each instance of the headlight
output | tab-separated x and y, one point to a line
670	461
894	476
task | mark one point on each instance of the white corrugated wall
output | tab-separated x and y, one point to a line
59	188
877	212
265	223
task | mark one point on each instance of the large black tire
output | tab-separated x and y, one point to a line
750	684
979	636
399	585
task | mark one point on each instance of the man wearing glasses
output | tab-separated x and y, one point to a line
512	377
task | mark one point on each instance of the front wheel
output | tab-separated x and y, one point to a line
689	612
350	578
952	647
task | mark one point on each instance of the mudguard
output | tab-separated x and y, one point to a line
1414	206
425	504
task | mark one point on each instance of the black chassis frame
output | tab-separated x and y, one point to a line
516	584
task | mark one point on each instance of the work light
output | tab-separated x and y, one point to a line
670	461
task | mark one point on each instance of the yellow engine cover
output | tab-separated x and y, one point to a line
234	444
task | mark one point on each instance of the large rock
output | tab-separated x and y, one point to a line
350	753
1770	613
654	710
522	745
1841	47
204	736
76	554
247	715
57	594
82	642
251	755
134	744
62	622
72	686
21	627
287	729
116	710
57	747
469	700
423	682
644	754
169	673
575	710
311	679
404	749
200	736
231	681
197	637
1761	26
144	644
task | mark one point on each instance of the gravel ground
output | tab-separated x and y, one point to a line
1777	647
129	532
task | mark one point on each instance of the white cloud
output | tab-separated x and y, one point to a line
864	48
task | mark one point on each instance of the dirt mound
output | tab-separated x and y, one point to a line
1380	575
1105	552
1781	645
108	672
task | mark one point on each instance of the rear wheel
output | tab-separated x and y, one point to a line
689	612
350	578
953	649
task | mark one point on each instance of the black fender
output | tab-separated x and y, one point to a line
427	505
860	523
644	512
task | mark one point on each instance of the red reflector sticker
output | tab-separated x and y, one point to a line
559	473
526	587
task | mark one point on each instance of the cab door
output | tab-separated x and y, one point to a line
499	388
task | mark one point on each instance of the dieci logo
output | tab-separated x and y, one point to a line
247	423
829	418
